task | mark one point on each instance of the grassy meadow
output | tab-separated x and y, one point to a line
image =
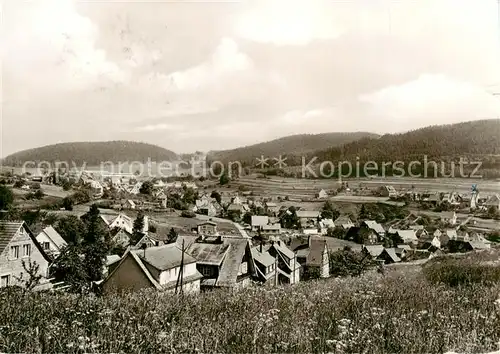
396	313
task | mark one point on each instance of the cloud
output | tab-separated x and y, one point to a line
290	22
227	60
431	99
50	38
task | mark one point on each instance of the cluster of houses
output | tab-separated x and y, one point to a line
473	200
195	262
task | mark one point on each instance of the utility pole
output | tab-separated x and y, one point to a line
181	272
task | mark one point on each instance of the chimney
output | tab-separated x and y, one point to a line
260	246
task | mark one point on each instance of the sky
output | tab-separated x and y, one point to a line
208	75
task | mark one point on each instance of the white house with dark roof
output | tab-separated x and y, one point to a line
18	245
155	267
51	242
259	221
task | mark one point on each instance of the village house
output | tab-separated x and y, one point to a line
325	225
129	204
448	217
207	206
258	222
312	256
120	237
389	256
271	230
387	191
408	236
51	242
236	209
208	228
308	218
155	267
122	221
148	241
224	261
372	250
493	202
288	266
343	221
19	246
265	266
322	194
375	226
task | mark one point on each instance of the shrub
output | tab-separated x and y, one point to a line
188	214
349	263
454	271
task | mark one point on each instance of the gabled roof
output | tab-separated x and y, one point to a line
494	200
407	235
391	252
164	257
343	220
280	247
275	227
375	226
7	232
263	257
228	273
316	248
54	236
375	250
208	253
141	265
308	214
112	259
9	229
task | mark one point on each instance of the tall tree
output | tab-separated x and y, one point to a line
96	244
138	228
172	236
329	212
6	197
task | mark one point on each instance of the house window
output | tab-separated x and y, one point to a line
46	246
26	250
206	271
14	250
4	280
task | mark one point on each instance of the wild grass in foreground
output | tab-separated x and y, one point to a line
398	313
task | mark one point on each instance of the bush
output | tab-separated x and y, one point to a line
188	214
454	271
349	263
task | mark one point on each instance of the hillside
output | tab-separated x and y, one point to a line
291	145
92	153
479	141
470	138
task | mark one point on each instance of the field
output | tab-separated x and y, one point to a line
400	312
307	188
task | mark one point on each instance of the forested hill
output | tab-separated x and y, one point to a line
480	137
92	153
291	145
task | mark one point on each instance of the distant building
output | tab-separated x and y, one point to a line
448	217
493	201
259	221
308	218
208	228
387	191
344	222
51	242
322	194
